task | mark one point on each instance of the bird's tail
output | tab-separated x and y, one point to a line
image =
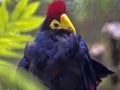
100	71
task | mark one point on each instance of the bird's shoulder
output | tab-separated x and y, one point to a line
41	48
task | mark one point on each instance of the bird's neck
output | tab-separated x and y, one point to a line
45	25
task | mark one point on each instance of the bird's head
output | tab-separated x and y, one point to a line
57	15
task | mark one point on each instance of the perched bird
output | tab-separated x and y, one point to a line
59	57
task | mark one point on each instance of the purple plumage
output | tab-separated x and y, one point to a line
59	58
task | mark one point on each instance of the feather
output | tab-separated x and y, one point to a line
61	59
55	9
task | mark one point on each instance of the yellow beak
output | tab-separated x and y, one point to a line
67	24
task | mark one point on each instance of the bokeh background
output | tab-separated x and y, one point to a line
98	22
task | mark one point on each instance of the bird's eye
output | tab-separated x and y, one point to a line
56	25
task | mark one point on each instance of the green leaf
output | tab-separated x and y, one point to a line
13	80
25	25
30	9
7	71
9	53
9	43
14	25
4	16
5	64
19	9
5	45
2	26
17	37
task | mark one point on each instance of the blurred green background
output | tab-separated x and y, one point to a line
20	21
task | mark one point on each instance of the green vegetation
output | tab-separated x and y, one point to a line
15	24
9	79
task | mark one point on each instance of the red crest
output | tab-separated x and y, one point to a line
55	9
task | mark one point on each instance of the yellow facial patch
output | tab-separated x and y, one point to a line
56	25
64	23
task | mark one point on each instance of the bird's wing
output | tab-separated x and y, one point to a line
28	52
100	70
77	51
23	63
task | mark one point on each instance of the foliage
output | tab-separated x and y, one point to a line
13	37
11	80
15	24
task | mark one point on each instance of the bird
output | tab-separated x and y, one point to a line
59	57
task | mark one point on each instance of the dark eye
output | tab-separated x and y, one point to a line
56	25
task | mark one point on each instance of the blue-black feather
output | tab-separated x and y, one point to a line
62	61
